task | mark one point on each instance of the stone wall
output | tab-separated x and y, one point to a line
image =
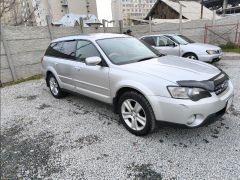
25	46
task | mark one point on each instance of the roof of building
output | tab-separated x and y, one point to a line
190	10
91	37
230	10
219	3
71	20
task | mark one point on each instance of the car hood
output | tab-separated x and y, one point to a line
173	68
205	46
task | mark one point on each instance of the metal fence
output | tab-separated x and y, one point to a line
224	33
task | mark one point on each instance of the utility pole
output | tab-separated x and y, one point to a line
180	18
150	24
104	25
225	3
214	17
202	9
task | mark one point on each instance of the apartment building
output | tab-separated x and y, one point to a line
131	9
34	12
56	9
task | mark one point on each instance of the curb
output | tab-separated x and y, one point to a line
231	58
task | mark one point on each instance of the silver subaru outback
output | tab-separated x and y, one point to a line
142	85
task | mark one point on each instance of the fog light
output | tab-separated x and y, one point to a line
195	120
191	119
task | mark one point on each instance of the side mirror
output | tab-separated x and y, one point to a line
93	61
172	45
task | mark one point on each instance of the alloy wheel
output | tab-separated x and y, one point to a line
192	57
54	86
133	114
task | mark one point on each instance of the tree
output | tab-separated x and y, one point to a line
12	10
6	6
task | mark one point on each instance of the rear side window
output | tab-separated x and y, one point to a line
64	50
150	40
85	49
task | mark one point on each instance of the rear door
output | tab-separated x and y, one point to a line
65	61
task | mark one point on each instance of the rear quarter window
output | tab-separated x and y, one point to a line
66	50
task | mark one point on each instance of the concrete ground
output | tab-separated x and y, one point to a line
231	55
80	138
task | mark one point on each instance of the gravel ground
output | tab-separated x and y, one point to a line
80	138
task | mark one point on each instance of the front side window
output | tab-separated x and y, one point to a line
180	39
85	49
126	50
162	41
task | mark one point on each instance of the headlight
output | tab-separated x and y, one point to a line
211	52
194	94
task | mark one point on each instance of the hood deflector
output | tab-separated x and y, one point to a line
206	84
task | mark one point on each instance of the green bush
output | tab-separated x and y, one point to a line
229	45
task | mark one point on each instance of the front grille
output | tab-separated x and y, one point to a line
220	88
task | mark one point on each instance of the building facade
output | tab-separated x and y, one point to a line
131	9
56	9
34	12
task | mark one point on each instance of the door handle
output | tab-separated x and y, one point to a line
77	68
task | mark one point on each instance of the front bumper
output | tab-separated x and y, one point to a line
188	112
210	58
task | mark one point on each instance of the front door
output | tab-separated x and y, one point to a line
166	46
92	81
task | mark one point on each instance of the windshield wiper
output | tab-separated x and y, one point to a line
146	58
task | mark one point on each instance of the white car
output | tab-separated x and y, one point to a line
179	45
142	85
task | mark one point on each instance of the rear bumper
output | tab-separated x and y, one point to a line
210	58
188	112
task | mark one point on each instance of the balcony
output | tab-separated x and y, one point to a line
64	2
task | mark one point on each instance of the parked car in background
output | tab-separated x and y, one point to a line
142	85
179	45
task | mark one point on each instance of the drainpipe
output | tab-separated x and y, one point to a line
202	9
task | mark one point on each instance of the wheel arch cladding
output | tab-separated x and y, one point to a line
120	92
190	53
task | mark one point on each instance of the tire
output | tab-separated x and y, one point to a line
136	113
190	56
54	87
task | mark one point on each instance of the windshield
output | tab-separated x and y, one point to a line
125	50
180	39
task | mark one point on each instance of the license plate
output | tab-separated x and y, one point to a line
229	103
